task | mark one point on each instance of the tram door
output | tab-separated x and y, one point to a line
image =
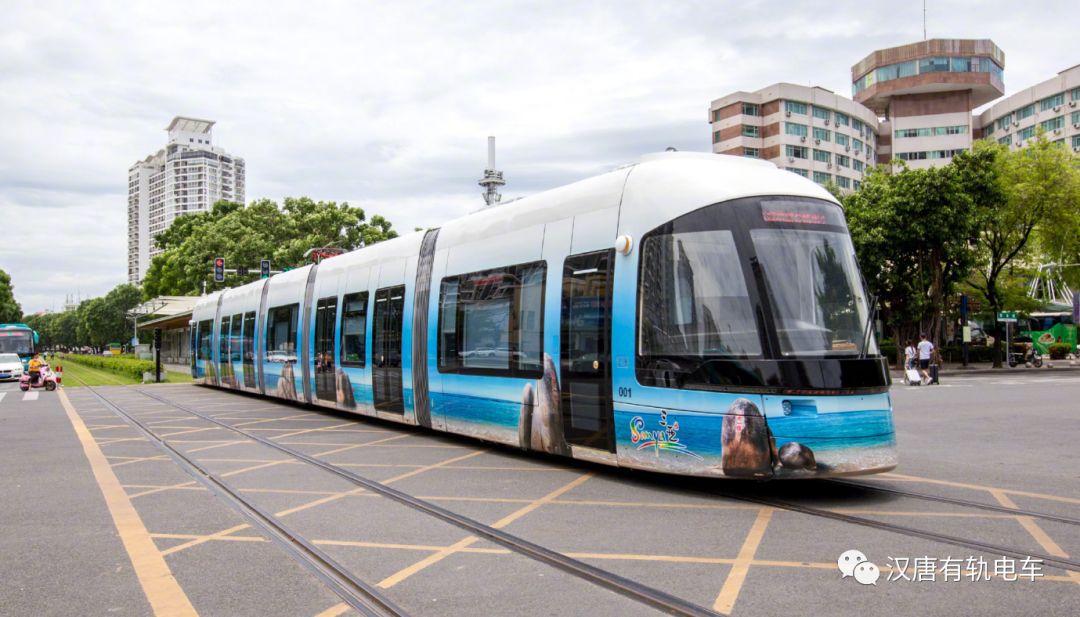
386	349
586	350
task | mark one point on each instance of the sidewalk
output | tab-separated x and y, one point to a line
984	368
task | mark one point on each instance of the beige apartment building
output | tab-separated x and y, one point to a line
912	102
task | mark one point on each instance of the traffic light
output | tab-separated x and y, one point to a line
219	270
241	270
264	269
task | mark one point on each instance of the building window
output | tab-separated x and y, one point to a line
1027	133
1007	140
933	65
857	165
749	130
1076	141
1052	124
822	134
857	185
1004	121
842	119
841	139
1076	117
989	130
750	109
792	128
857	125
491	322
843	161
822	156
856	144
821	113
799	152
716	115
795	107
753	153
822	177
716	137
929	154
843	182
1026	112
796	170
1051	102
935	131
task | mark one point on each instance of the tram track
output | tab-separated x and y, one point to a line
355	592
328	569
781	504
955	501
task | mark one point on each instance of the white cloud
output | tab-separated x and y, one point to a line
387	105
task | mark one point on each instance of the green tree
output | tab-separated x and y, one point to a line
1015	193
244	235
913	232
10	311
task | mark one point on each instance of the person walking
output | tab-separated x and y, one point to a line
909	355
925	348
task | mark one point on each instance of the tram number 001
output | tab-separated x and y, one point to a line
624	392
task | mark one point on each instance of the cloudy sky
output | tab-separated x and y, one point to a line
387	105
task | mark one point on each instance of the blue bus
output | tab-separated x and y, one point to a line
19	339
692	314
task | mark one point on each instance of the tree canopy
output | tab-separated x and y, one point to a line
244	235
10	311
95	322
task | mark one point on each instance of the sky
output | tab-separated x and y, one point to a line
387	105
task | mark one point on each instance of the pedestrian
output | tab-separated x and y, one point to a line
925	348
909	355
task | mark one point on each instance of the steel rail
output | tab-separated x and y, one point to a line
634	590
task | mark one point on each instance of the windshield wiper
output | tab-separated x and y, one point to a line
869	326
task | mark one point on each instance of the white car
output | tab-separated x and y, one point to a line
11	367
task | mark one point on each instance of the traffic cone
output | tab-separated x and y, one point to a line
59	373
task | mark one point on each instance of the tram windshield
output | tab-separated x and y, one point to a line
741	284
815	291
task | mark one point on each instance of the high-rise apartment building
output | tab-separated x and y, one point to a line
185	177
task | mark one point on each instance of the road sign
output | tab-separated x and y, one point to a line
241	270
219	269
264	269
1007	316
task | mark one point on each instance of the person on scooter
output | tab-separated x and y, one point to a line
34	368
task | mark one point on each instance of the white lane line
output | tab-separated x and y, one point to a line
30	396
2	395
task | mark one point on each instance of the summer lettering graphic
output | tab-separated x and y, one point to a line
667	438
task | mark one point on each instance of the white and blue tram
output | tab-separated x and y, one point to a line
695	314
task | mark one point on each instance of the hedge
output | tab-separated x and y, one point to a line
1058	351
129	367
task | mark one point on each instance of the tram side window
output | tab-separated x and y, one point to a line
206	337
223	340
354	329
281	334
234	338
248	338
491	322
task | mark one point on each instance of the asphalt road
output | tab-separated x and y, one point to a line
1005	440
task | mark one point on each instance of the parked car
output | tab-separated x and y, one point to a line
11	367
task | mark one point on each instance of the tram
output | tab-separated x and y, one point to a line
694	314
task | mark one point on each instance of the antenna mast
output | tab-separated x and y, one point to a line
924	20
492	179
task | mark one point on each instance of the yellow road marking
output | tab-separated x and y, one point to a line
1029	525
725	602
164	594
980	487
445	552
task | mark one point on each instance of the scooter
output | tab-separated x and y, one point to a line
1028	355
45	379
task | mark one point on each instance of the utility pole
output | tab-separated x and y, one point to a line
493	178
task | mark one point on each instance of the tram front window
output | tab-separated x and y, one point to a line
694	297
814	288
